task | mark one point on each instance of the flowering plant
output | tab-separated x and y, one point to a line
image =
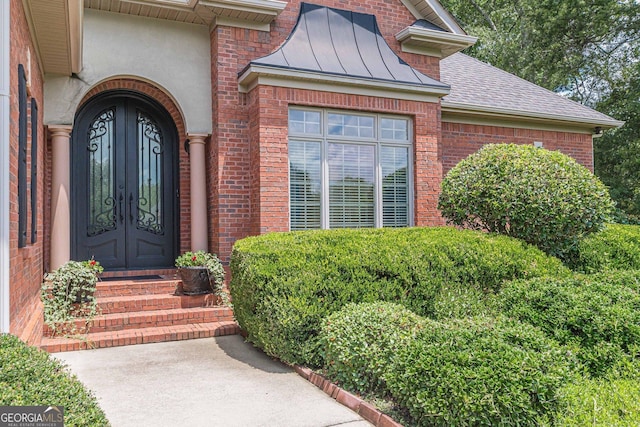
67	294
212	264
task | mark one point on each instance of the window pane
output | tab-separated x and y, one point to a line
394	129
351	186
304	184
395	186
350	125
305	122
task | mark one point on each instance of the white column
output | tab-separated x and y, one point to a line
5	141
198	175
60	196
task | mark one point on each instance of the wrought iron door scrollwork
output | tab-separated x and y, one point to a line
101	198
150	184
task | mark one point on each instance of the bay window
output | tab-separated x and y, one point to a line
348	170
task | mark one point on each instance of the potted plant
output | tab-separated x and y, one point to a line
201	273
67	293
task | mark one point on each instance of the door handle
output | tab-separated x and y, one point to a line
120	199
131	208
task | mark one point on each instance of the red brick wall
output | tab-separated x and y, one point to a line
241	189
460	140
26	264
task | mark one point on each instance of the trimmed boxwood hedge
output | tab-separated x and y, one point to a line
600	313
540	196
30	377
360	341
617	247
601	403
284	284
480	372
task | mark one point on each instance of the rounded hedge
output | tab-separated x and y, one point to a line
360	340
601	403
542	197
617	247
599	313
30	377
480	372
284	284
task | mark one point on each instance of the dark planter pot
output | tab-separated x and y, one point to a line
195	280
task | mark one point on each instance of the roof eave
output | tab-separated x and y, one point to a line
533	117
256	74
425	41
56	30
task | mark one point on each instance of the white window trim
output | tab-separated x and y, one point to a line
325	139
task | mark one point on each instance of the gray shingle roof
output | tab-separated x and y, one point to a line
477	84
343	43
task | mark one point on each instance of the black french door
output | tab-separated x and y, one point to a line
124	193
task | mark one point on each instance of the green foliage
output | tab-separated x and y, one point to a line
599	313
617	247
284	284
616	154
578	47
68	294
542	197
212	264
29	376
480	372
601	403
360	341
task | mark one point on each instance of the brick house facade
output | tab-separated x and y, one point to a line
199	82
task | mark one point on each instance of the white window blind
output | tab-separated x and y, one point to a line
304	184
351	186
394	162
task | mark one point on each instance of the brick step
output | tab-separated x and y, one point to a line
128	303
141	336
136	287
151	319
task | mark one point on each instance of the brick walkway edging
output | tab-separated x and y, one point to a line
351	401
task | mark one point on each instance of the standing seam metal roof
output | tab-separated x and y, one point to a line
340	42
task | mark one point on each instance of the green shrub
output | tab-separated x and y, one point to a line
360	340
284	284
542	197
617	247
30	377
599	313
601	403
480	372
68	294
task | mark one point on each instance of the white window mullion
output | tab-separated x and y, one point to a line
325	186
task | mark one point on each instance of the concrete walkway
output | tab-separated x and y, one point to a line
219	381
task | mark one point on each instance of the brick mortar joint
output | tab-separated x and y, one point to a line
333	390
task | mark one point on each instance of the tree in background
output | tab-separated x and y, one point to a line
588	50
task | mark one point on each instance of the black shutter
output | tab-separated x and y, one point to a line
22	158
34	170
